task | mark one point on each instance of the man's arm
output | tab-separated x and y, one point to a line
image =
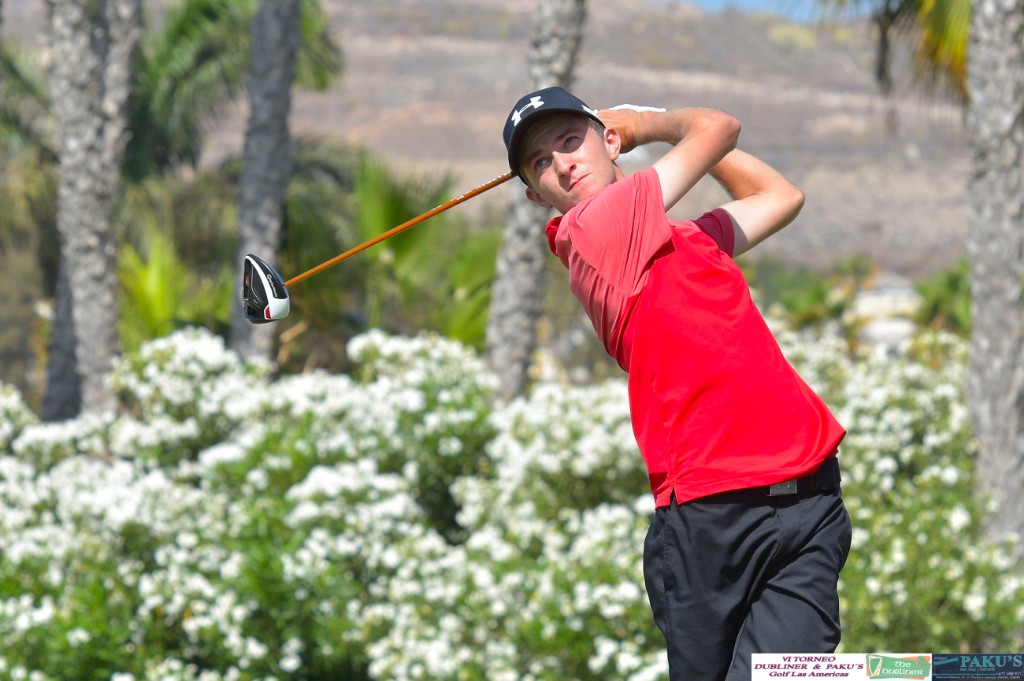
700	137
763	200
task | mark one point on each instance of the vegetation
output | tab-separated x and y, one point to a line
946	300
399	523
172	216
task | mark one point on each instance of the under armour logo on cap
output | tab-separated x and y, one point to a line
517	115
534	106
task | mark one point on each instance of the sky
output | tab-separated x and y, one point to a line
796	10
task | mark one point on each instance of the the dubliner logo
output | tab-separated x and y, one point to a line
887	667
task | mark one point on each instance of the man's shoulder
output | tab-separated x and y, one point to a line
625	194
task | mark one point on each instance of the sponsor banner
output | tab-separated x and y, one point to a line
976	667
898	666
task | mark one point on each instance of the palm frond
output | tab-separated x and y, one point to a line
319	59
195	66
941	55
152	290
28	193
186	74
24	105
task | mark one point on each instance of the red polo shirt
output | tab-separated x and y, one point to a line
714	404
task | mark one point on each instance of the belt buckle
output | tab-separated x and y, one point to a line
780	489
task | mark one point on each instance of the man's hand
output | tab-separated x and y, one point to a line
700	139
628	120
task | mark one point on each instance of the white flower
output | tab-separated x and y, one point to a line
290	663
77	637
959	518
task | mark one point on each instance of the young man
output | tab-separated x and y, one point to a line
750	532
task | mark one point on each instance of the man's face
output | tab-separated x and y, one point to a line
565	160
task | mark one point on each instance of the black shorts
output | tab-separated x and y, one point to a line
741	572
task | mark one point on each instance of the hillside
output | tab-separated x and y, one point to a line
428	83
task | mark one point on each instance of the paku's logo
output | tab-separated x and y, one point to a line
536	102
978	666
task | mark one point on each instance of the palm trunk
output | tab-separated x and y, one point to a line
996	250
267	157
63	398
93	48
517	295
518	290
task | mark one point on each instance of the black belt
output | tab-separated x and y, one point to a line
826	477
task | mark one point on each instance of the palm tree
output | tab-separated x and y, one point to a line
93	48
517	293
976	51
186	73
267	157
995	247
183	75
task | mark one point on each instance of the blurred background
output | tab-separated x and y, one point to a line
413	95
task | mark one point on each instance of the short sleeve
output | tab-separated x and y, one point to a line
620	231
718	225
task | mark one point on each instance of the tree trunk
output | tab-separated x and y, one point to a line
63	397
995	246
267	157
518	290
885	19
93	45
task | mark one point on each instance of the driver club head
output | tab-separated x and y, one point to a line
264	295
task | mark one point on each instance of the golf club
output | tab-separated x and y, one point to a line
265	293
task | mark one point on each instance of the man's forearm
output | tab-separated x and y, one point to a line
672	126
763	200
703	138
742	175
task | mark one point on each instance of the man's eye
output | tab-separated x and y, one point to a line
572	143
541	163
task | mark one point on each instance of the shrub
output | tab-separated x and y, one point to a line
399	523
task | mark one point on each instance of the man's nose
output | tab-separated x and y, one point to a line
563	163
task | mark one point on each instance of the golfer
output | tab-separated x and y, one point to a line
750	532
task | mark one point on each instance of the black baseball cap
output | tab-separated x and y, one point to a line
532	108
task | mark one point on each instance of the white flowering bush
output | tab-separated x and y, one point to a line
14	415
434	396
919	570
181	394
549	583
398	523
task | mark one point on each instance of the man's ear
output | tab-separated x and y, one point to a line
535	196
612	142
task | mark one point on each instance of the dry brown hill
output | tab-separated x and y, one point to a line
428	84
